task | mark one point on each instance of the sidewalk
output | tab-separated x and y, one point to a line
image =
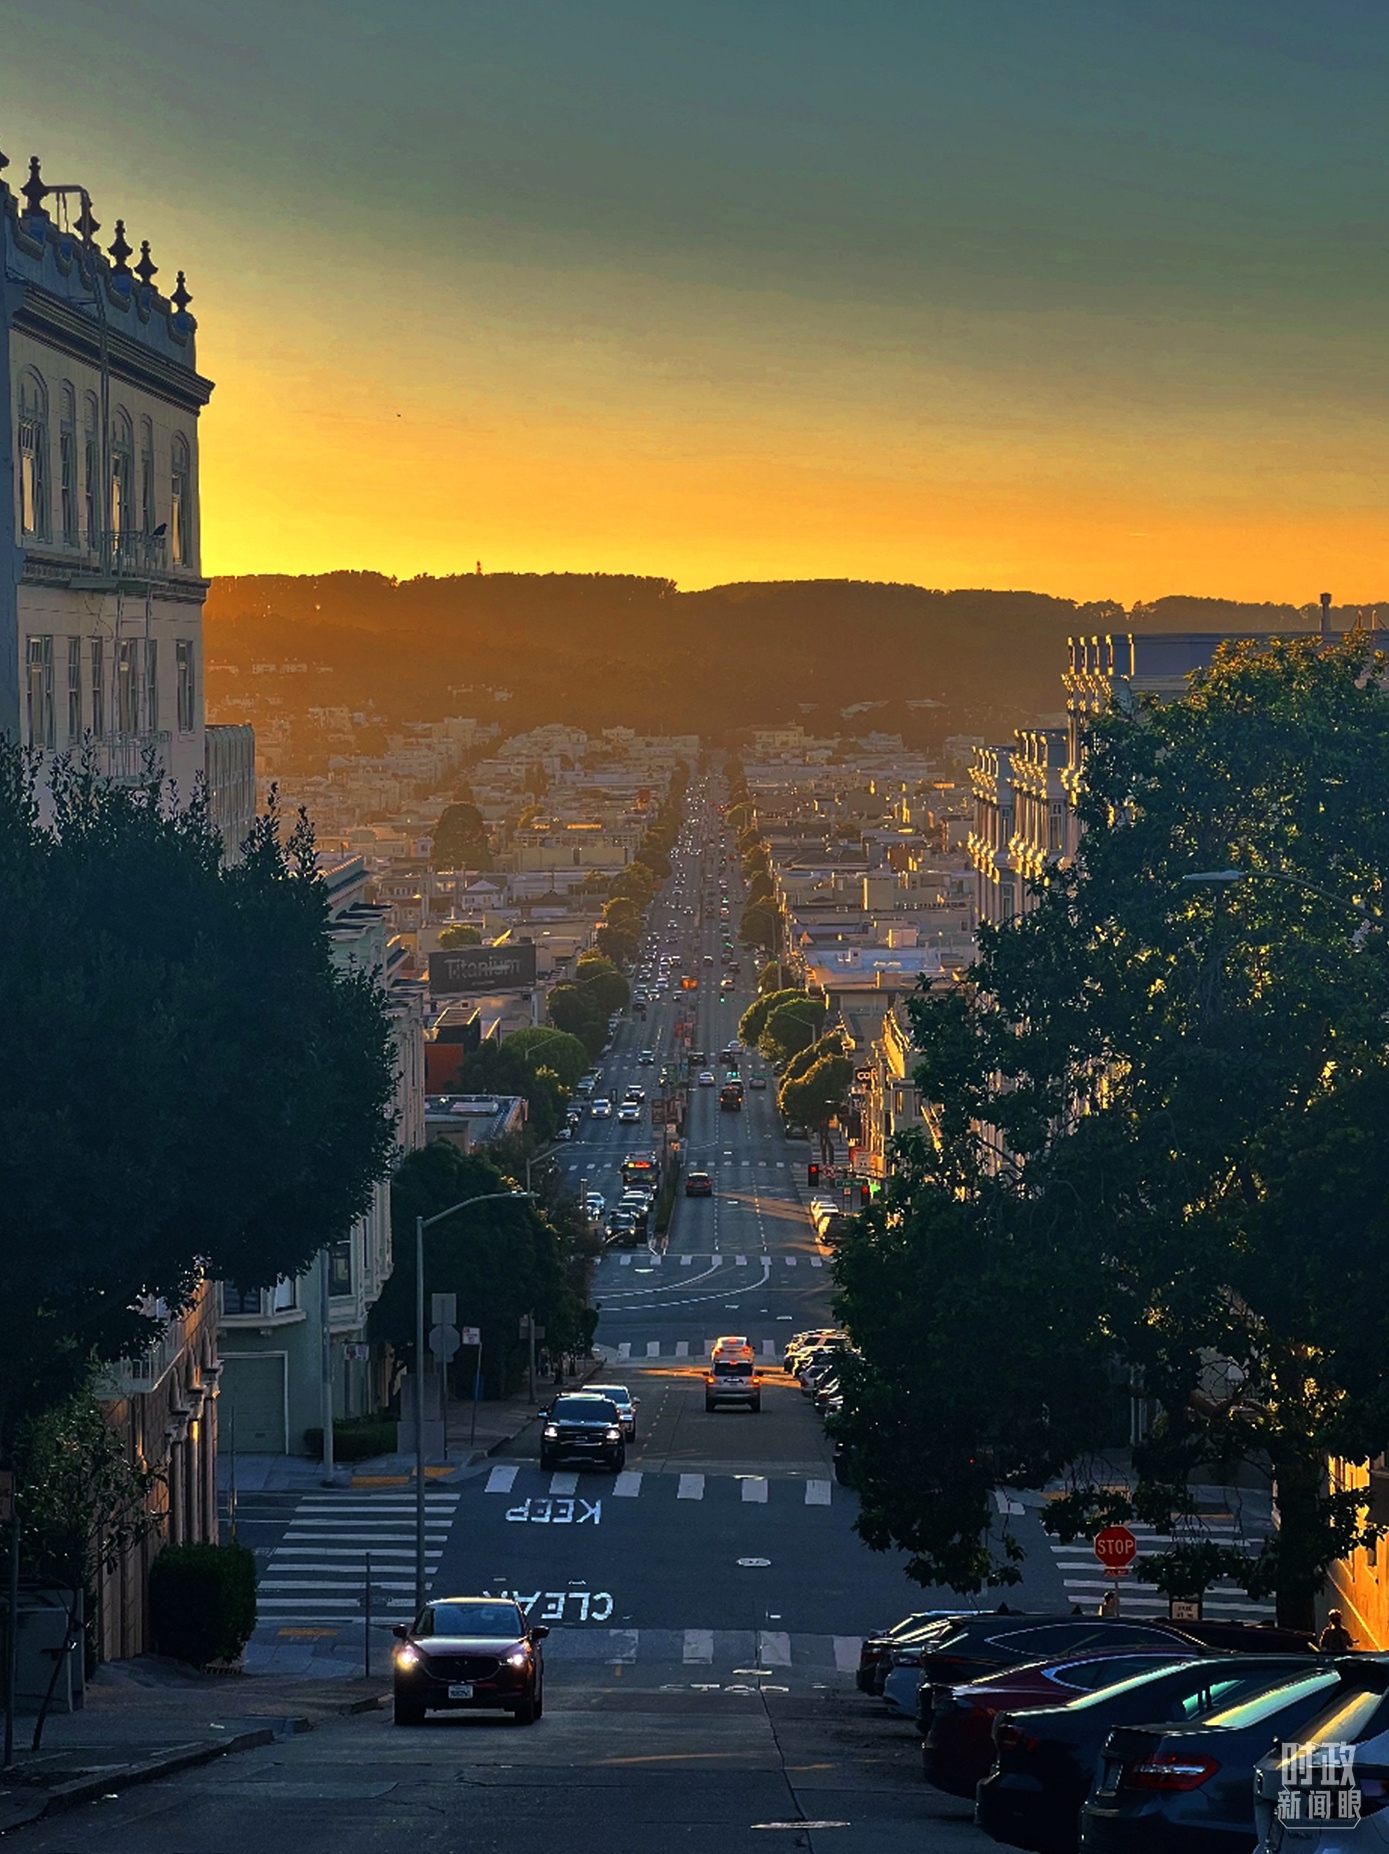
148	1718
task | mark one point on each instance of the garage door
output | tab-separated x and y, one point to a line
251	1407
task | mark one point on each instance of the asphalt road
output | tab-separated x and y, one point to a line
706	1606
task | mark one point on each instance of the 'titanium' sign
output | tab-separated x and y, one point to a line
482	968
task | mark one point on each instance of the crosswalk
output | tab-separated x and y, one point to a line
523	1481
645	1259
733	1652
318	1570
1086	1584
639	1351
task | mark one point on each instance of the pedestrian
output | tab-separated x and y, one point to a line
1335	1638
1109	1605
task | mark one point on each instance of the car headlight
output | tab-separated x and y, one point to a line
551	1433
406	1657
519	1657
613	1435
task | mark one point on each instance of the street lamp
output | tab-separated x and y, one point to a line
1228	878
421	1225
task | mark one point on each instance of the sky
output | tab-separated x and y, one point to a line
1082	297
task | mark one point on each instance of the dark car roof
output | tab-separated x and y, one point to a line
578	1403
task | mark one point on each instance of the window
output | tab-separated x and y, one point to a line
91	473
183	655
1055	822
128	687
181	503
122	474
152	684
284	1296
74	690
239	1299
39	694
147	516
98	663
33	456
340	1266
67	464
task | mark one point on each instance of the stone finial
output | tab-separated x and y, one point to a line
34	191
120	250
146	269
181	298
88	225
4	160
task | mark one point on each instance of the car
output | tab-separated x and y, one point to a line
706	1078
622	1228
600	1108
645	1059
873	1648
565	1132
821	1207
1174	1788
468	1654
732	1380
580	1426
1347	1735
634	1093
708	959
629	1114
698	1184
759	1082
1045	1759
834	1228
626	1405
595	1204
793	1131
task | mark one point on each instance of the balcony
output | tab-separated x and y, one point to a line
123	559
123	757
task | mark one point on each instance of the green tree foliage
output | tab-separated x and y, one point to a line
602	980
754	1019
502	1260
187	1082
791	1026
584	1006
818	1093
460	839
539	1045
775	976
637	883
534	1063
831	1045
1188	1084
761	889
759	923
460	933
619	938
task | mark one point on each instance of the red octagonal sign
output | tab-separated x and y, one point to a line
1116	1548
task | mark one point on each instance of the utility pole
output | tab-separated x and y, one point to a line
326	1367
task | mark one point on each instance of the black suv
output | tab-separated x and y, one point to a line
585	1427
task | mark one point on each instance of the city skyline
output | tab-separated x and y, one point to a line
1086	304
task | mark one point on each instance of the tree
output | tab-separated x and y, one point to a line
573	1009
754	1019
791	1027
760	889
459	934
502	1260
759	923
460	839
1158	1105
819	1093
604	983
539	1045
774	976
637	883
188	1085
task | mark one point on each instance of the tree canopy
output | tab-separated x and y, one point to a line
460	839
1160	1108
790	1027
187	1081
459	933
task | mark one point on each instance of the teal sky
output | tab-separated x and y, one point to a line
986	292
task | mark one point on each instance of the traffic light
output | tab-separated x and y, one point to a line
814	1174
863	1196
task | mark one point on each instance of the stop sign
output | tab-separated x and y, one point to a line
1116	1548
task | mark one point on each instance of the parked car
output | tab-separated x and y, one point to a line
595	1204
468	1654
1354	1722
1188	1789
1045	1759
874	1648
698	1184
580	1426
626	1405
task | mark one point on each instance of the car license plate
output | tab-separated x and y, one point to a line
461	1689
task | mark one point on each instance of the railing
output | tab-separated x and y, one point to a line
124	756
125	550
129	1375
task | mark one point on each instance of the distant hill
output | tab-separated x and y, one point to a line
604	650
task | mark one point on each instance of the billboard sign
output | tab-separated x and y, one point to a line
482	968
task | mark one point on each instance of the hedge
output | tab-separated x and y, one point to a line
203	1602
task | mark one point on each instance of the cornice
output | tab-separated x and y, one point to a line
54	322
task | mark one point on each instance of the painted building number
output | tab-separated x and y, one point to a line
545	1512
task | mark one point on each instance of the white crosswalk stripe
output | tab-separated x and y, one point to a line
317	1573
682	1348
699	1647
769	1348
1085	1583
691	1487
500	1480
653	1348
818	1493
755	1489
564	1486
627	1486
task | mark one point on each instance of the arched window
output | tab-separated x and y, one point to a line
33	456
147	515
181	503
91	469
122	473
68	475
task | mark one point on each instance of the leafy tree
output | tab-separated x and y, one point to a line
603	982
460	933
502	1260
460	839
831	1045
537	780
637	883
573	1009
754	1019
539	1044
188	1085
775	976
791	1027
1161	1104
761	888
759	923
818	1093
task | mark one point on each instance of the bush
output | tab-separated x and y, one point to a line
356	1438
203	1602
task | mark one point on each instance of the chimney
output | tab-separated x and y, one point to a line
1326	614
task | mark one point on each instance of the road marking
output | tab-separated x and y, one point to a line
790	1261
741	1261
817	1493
769	1348
773	1648
653	1348
624	1350
699	1647
755	1489
563	1485
500	1480
682	1348
847	1649
626	1261
691	1487
627	1486
816	1261
686	1261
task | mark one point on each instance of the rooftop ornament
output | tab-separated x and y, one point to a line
181	297
120	250
88	225
146	270
34	191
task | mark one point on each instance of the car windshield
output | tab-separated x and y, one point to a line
586	1409
615	1393
725	1368
498	1621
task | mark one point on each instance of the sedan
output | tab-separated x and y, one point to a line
1348	1738
468	1654
1046	1759
629	1114
758	1082
645	1059
600	1109
626	1405
706	1078
698	1184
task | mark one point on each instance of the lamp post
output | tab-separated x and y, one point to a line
1229	878
421	1225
